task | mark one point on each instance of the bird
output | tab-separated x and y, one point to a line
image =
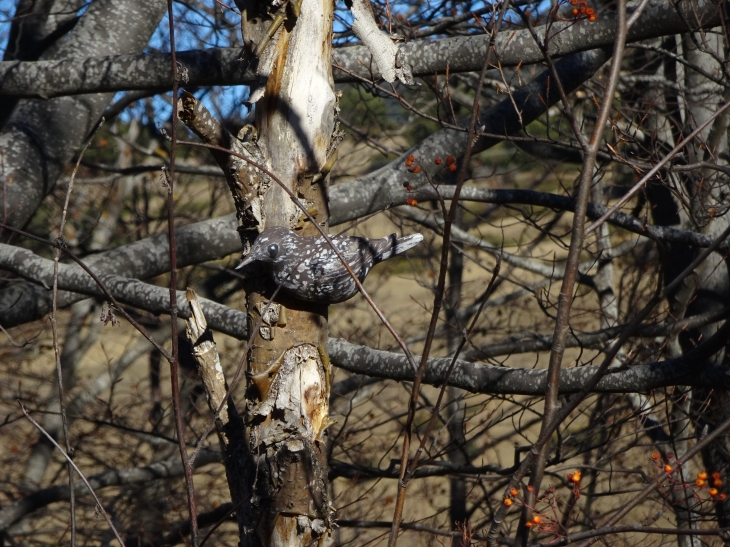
307	268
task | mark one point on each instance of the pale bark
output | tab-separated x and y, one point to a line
287	367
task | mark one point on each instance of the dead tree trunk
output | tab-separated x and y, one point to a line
288	369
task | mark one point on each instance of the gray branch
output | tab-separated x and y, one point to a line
199	242
126	290
41	137
689	370
427	57
477	378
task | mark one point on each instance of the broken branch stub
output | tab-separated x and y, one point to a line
229	425
246	183
385	52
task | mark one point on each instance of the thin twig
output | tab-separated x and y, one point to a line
440	287
654	170
54	330
99	506
565	299
174	362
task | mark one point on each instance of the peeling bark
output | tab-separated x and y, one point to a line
229	425
389	59
288	368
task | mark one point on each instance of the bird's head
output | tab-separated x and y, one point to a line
268	247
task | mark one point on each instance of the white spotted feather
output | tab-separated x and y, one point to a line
308	268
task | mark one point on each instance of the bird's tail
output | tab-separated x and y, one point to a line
398	246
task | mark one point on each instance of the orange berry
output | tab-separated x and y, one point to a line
450	159
415	169
513	491
412	202
592	18
528	524
576	478
589	11
536	519
668	468
409	187
655	455
453	167
530	489
717	482
411	158
575	11
713	491
722	497
702	475
507	502
716	475
438	161
700	482
409	163
582	10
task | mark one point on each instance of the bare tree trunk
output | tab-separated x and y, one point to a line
288	405
288	369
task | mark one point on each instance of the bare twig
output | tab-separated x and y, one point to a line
441	285
99	506
54	330
654	170
175	362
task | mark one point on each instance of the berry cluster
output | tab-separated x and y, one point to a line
581	7
542	521
413	167
712	482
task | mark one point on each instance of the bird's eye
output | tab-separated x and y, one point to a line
273	250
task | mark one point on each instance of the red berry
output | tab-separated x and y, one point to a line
438	161
450	159
453	167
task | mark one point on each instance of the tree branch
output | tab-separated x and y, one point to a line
225	67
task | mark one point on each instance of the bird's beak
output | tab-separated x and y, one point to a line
245	262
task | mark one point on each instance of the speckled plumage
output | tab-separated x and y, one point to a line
308	268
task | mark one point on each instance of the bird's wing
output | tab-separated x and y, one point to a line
356	251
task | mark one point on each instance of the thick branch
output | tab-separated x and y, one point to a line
126	290
224	66
479	378
195	243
